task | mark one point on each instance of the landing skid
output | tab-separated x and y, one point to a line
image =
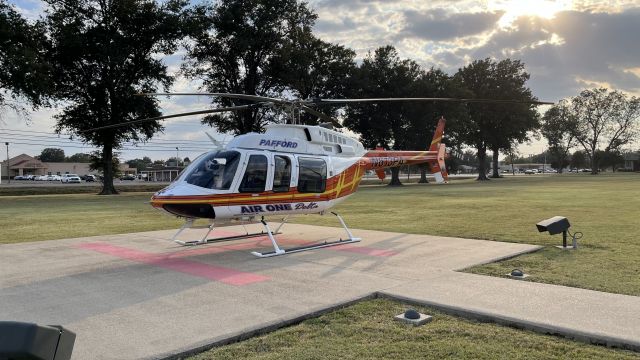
189	225
279	251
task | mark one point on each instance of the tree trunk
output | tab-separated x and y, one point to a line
423	174
496	172
594	163
395	177
107	171
482	156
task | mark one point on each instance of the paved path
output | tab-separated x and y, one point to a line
135	296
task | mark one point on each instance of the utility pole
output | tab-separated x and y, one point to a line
8	168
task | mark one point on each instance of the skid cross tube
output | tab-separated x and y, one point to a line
189	225
277	250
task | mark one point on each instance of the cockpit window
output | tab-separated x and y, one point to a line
214	170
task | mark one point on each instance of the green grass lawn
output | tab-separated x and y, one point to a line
367	331
605	208
45	217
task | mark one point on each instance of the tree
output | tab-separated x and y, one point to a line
423	116
234	52
97	164
79	157
23	67
139	164
497	126
578	160
605	120
308	67
104	53
381	75
558	127
52	155
611	159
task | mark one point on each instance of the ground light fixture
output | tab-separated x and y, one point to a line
517	274
27	341
413	317
557	225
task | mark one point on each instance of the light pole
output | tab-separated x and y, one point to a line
177	157
8	168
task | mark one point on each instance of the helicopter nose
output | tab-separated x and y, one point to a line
191	210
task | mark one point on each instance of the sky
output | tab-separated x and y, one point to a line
565	45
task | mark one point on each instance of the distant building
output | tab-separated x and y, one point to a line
26	165
632	161
161	173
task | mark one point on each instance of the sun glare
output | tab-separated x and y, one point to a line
516	8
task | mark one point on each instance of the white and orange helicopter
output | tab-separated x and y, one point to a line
291	169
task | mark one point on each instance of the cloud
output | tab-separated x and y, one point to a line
438	25
571	51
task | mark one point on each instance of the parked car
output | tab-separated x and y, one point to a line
128	177
89	178
530	171
70	178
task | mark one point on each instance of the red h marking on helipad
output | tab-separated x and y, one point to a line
166	261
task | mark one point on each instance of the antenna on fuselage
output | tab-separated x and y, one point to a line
215	142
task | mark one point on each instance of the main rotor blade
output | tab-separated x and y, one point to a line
498	101
164	117
322	116
226	95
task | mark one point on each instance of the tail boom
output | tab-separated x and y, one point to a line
379	159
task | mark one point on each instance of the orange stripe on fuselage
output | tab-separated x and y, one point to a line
337	186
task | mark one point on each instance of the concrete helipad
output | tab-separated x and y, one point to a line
139	295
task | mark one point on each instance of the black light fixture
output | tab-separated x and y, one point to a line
557	225
20	340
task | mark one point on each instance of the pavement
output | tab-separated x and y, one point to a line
141	296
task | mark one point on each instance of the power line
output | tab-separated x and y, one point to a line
93	147
71	135
68	142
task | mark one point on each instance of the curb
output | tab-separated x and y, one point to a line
481	316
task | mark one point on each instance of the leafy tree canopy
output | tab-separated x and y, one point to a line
79	157
22	65
604	120
264	47
52	155
104	53
496	126
558	128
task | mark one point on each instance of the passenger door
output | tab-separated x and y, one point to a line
255	179
283	182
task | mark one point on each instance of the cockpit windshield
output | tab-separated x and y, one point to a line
214	170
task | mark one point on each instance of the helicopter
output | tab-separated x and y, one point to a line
290	169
